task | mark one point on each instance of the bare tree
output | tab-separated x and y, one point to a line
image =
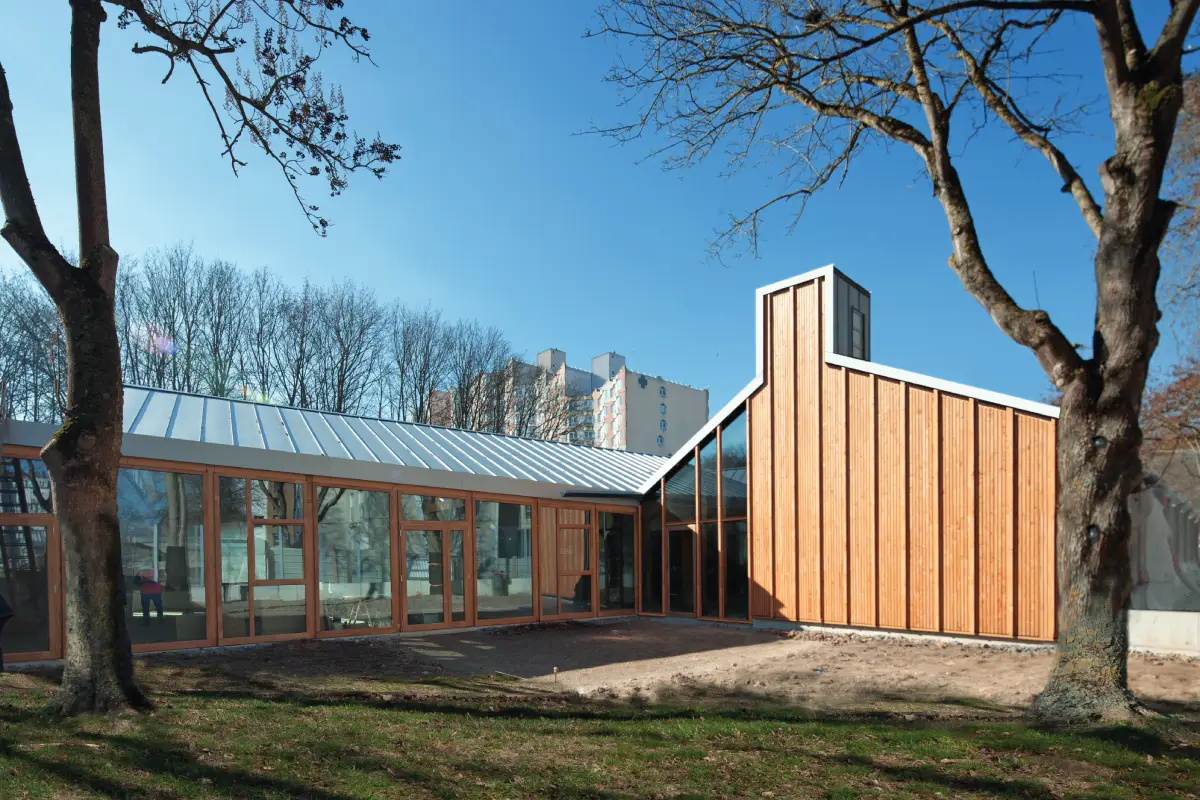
33	359
537	403
475	362
808	85
254	62
419	342
222	309
353	325
262	330
295	348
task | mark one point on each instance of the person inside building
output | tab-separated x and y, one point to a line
152	592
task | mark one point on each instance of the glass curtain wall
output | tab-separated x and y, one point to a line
710	549
354	551
617	554
652	554
162	555
503	560
734	545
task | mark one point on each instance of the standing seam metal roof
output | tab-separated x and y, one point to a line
182	417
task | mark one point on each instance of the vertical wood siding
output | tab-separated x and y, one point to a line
877	503
783	400
808	451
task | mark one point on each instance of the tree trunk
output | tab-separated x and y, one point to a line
83	458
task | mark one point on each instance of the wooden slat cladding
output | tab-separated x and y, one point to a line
1035	527
892	464
924	511
862	498
995	519
878	503
783	403
808	451
761	561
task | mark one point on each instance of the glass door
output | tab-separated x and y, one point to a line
434	577
681	570
29	587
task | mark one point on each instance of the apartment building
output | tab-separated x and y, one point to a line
645	413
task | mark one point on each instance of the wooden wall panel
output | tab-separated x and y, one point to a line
783	422
892	515
834	543
762	559
958	515
547	554
1036	494
996	520
861	449
879	503
573	516
924	511
808	452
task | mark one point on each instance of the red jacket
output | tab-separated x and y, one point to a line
146	583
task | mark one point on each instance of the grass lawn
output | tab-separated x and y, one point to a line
225	730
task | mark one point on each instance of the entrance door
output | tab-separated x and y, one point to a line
435	571
29	582
681	570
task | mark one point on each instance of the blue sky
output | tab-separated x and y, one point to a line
501	211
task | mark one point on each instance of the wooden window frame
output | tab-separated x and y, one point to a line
444	529
535	577
56	628
635	512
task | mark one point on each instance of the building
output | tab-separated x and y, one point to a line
647	414
830	490
602	408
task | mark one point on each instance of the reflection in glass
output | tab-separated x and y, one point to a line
733	467
162	555
710	571
458	578
24	583
423	579
278	553
574	550
708	479
503	560
575	594
616	561
681	493
276	500
737	571
652	563
354	551
24	487
235	558
681	565
548	564
425	508
279	610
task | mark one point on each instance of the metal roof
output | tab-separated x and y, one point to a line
227	432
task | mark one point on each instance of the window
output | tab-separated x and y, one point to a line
737	570
733	467
662	408
162	555
708	480
662	424
652	554
426	508
503	560
354	548
660	441
616	561
681	493
857	325
662	391
24	487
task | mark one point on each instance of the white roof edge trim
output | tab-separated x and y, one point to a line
914	378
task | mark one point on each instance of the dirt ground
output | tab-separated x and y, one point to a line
656	659
664	660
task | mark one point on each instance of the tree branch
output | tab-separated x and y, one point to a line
1169	47
22	227
91	194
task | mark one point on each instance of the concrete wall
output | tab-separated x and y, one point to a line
1165	632
687	411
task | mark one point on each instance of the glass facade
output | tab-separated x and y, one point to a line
24	487
426	508
25	585
708	479
354	554
681	493
617	554
162	555
737	570
276	500
710	571
424	580
652	555
733	467
503	560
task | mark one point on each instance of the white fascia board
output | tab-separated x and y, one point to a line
913	378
